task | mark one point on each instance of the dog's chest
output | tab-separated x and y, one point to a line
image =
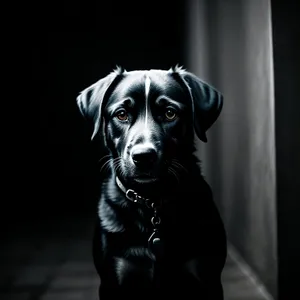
127	233
135	254
134	233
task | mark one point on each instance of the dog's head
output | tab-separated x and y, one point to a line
147	118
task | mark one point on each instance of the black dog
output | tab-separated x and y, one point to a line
158	227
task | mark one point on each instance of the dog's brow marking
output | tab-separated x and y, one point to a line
147	89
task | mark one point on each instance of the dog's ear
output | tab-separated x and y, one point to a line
207	103
90	100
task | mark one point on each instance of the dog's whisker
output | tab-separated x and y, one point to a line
122	172
117	166
118	169
116	161
106	165
174	173
104	157
177	164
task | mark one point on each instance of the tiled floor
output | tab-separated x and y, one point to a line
56	264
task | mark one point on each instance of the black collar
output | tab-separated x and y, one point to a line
132	195
154	240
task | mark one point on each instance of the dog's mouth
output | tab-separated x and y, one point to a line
146	185
140	179
143	179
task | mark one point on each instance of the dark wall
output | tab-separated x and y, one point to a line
70	46
286	36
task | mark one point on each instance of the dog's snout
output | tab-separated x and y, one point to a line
144	156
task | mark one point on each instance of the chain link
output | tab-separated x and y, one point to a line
133	196
155	220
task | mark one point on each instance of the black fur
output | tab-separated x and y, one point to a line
191	229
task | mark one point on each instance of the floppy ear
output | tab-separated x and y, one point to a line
207	103
90	101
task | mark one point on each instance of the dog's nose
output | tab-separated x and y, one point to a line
144	157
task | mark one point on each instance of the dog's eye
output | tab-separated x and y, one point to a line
122	115
170	114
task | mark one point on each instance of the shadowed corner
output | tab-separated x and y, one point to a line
50	261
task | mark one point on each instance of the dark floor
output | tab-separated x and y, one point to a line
56	264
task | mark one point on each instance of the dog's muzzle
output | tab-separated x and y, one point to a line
144	157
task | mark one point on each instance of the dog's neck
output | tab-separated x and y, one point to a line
138	196
169	187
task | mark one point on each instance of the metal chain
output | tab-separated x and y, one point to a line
155	220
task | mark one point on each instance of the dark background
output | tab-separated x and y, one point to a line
73	45
286	37
69	46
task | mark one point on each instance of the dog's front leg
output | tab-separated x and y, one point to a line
202	281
